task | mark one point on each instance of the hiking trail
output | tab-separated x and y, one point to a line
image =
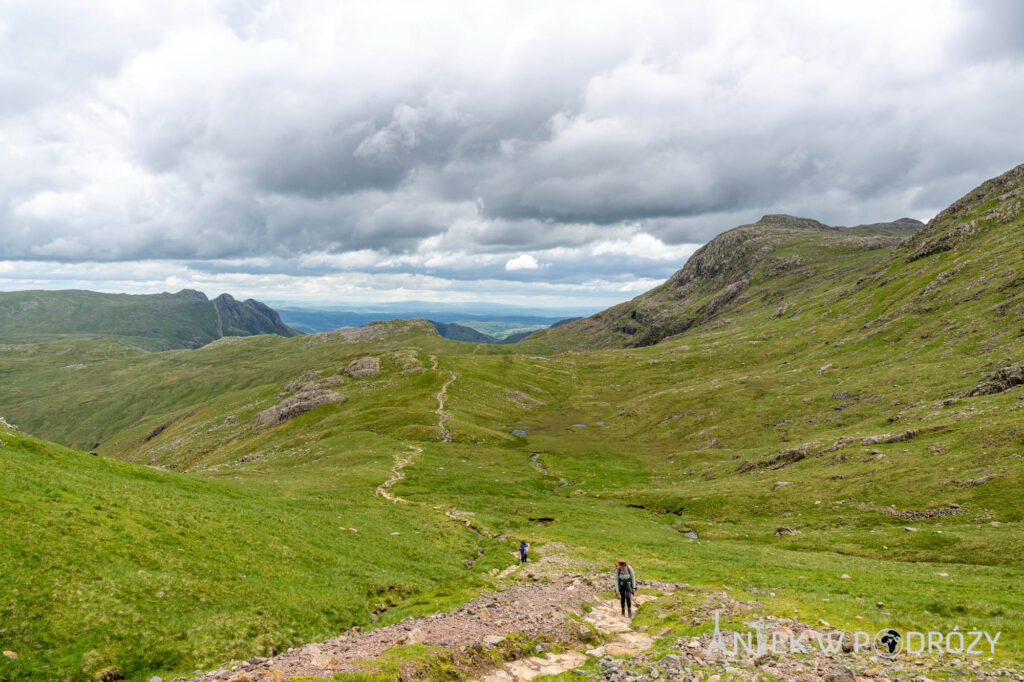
397	474
443	417
553	615
535	599
402	460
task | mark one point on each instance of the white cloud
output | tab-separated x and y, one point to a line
522	262
643	245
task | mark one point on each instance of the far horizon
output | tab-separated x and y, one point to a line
468	307
577	301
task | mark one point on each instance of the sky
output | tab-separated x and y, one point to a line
561	155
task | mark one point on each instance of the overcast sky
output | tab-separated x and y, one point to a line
560	155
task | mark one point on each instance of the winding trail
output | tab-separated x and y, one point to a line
397	474
402	460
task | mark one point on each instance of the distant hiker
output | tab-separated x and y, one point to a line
524	550
625	586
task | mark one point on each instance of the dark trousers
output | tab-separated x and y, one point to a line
625	598
522	557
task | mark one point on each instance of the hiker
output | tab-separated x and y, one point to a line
524	550
625	586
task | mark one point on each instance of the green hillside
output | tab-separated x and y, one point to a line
165	321
842	429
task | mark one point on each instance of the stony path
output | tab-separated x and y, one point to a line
533	610
607	620
530	616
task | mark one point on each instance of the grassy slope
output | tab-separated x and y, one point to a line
153	322
681	422
155	572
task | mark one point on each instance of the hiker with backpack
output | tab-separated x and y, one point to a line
625	586
524	551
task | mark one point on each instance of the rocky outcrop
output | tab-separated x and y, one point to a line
995	202
361	368
307	398
248	317
1003	379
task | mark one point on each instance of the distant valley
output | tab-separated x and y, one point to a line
455	325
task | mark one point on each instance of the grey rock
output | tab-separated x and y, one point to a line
840	675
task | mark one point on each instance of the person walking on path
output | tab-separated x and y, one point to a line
524	551
625	586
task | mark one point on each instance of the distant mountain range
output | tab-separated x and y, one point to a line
502	326
186	319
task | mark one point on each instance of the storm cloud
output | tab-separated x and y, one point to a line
483	145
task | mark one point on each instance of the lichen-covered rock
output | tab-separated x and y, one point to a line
363	367
1001	380
308	398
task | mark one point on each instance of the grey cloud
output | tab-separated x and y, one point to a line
267	130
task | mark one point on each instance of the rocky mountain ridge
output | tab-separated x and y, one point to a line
718	275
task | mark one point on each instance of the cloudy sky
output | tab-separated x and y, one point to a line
563	155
